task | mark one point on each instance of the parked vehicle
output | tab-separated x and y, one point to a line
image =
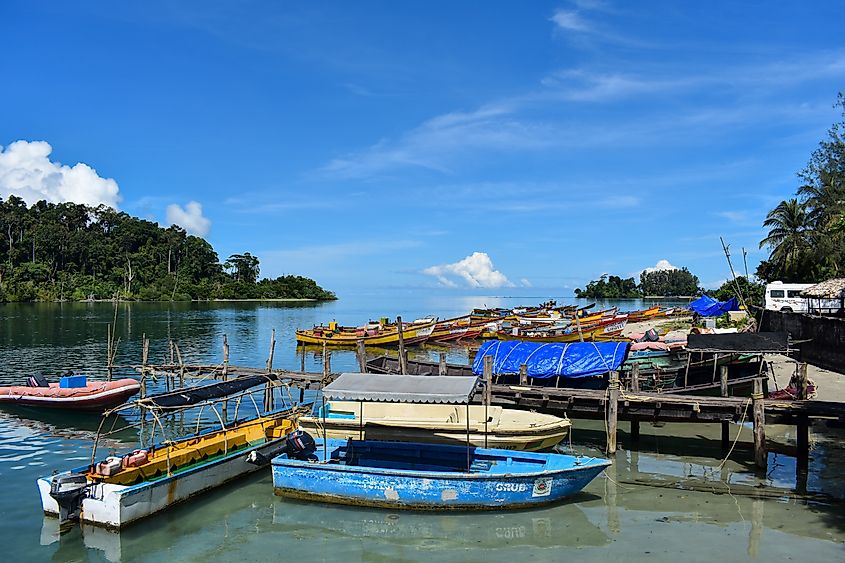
786	297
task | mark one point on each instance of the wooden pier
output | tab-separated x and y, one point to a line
612	405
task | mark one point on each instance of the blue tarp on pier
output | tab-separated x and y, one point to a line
706	306
574	359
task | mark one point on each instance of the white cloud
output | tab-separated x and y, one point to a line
27	172
476	270
190	218
570	21
661	265
525	282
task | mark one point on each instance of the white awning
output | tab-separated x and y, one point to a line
452	389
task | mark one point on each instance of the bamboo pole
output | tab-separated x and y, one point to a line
612	411
145	355
181	365
109	352
225	372
403	358
760	456
268	390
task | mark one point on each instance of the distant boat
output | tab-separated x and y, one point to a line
408	475
88	395
509	429
372	334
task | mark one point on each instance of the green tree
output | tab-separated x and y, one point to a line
245	267
670	283
788	238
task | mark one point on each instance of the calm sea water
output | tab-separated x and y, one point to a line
669	500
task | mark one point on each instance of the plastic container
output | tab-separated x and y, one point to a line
109	467
73	381
136	458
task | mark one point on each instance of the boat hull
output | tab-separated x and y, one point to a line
428	490
116	506
94	397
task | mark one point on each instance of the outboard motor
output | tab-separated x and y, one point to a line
68	491
298	445
301	446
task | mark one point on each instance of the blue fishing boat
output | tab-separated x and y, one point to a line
422	476
431	476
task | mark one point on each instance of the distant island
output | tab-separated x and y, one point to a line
69	251
667	283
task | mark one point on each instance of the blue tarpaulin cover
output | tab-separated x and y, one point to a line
574	359
706	306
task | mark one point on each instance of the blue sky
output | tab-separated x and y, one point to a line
427	144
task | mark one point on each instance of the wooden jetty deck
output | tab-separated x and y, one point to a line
612	404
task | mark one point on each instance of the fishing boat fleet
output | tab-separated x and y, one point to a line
397	441
544	323
385	439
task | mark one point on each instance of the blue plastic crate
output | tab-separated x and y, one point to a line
73	381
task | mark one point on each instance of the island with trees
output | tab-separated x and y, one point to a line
660	283
69	251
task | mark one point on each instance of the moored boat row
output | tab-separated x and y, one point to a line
547	323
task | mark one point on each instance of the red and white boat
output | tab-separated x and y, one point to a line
95	395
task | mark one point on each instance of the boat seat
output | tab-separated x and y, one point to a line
37	380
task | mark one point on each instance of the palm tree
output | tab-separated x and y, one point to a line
789	235
825	204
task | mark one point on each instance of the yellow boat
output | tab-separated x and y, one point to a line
570	334
373	334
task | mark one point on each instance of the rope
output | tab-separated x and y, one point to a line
736	439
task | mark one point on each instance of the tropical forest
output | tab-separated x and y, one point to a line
69	251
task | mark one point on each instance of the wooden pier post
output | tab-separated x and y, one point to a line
612	411
302	359
268	389
802	426
145	356
441	368
635	387
403	358
327	363
523	374
225	370
760	456
109	355
726	429
361	354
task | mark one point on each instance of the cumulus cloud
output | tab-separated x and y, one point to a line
476	270
525	282
27	172
190	218
661	266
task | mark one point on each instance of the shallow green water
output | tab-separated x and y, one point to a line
670	500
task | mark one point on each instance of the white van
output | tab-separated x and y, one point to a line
786	297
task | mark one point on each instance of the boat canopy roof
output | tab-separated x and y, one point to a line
453	389
573	359
193	395
740	342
